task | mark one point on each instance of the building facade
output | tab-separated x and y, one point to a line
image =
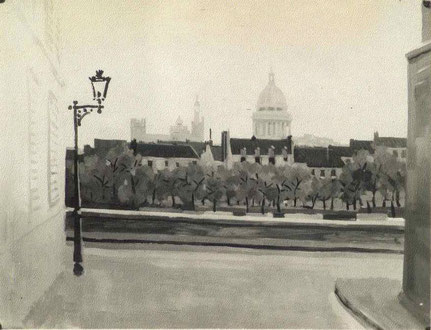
416	293
394	145
177	132
254	150
32	238
271	120
138	131
160	156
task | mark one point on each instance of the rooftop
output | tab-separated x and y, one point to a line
391	142
166	150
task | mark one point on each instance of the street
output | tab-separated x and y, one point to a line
163	286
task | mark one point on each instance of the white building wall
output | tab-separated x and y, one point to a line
159	163
279	160
32	238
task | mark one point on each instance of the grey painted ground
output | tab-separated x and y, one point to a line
188	287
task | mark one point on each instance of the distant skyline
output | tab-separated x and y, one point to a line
341	64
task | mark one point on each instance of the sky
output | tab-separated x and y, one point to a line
340	63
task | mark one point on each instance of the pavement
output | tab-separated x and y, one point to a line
375	302
166	286
296	218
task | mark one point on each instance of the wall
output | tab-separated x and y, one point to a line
416	279
32	162
279	160
159	163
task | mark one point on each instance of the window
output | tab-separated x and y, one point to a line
257	159
272	160
333	172
285	159
177	164
322	173
403	153
166	163
313	172
395	153
242	159
150	163
278	109
194	162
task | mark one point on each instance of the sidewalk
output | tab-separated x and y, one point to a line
374	301
298	218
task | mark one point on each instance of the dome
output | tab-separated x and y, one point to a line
271	98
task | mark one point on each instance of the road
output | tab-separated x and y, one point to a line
165	286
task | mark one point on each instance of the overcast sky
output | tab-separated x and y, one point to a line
340	63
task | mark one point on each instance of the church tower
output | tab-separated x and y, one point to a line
198	129
271	120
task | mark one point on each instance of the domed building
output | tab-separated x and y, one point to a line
271	120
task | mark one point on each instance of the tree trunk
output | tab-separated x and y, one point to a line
154	197
214	205
368	207
332	203
278	204
173	200
132	181
354	204
246	205
392	209
228	201
324	204
384	202
294	201
397	198
237	202
203	201
193	201
263	206
252	202
114	192
313	201
347	206
374	199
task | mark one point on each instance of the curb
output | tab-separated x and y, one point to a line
240	245
363	318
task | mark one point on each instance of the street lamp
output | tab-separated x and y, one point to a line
99	85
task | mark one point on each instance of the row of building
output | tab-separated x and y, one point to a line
271	141
323	161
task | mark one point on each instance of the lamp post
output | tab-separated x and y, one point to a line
99	85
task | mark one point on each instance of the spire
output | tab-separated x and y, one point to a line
271	75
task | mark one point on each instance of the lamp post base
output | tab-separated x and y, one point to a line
78	270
